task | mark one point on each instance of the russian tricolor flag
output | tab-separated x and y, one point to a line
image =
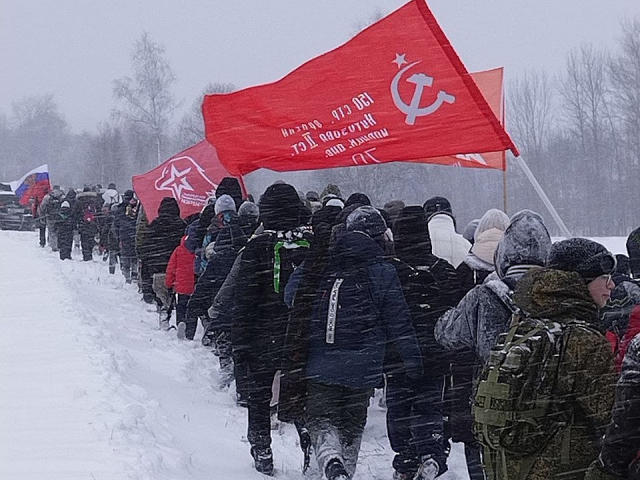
33	185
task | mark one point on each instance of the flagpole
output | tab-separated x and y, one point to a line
504	189
543	196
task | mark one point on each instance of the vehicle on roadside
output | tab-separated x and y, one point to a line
14	216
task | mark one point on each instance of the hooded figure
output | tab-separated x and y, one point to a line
230	186
485	311
162	236
478	263
261	315
370	312
445	242
569	292
415	413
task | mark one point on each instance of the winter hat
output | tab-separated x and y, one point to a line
633	249
230	186
470	230
280	207
359	199
586	257
56	188
334	202
331	189
526	241
111	186
312	196
224	203
127	195
249	210
488	233
65	204
623	266
367	220
435	205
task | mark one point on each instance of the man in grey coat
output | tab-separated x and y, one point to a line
485	311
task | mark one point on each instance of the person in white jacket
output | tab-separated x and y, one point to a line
446	243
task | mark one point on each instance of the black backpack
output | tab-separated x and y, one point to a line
346	311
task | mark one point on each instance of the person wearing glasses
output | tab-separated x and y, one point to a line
570	290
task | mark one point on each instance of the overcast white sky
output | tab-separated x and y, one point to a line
76	48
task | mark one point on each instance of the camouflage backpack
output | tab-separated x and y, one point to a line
515	406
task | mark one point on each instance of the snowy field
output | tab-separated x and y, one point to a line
91	389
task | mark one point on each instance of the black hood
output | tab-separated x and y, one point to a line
230	186
280	208
411	235
169	208
354	249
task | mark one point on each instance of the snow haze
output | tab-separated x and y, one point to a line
76	48
91	389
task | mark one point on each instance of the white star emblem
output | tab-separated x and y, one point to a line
176	183
400	60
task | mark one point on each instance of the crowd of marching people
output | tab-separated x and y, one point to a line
525	350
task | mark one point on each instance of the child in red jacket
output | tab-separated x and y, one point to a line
181	278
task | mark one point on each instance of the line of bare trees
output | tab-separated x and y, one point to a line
579	131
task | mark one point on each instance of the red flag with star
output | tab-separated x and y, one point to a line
191	177
397	91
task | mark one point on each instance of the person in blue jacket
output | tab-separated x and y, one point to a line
359	308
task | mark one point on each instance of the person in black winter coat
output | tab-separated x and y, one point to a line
87	210
633	249
65	224
261	314
620	451
415	415
161	238
125	220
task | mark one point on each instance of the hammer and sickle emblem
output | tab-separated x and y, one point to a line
413	110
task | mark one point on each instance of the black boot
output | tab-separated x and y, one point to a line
263	460
335	470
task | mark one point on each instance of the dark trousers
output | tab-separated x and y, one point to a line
415	421
43	235
336	416
65	242
129	267
257	386
181	316
87	242
146	283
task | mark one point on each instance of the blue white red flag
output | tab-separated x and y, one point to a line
34	185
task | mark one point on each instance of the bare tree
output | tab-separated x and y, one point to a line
624	73
107	154
39	132
371	19
147	98
191	127
530	104
584	90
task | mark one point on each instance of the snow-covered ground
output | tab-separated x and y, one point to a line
91	389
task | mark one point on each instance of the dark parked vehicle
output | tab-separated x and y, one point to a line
14	216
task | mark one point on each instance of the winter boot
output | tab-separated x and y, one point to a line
263	460
335	470
182	328
428	469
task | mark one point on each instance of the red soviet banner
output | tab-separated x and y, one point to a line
490	83
397	91
191	177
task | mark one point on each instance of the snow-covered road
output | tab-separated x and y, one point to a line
91	389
